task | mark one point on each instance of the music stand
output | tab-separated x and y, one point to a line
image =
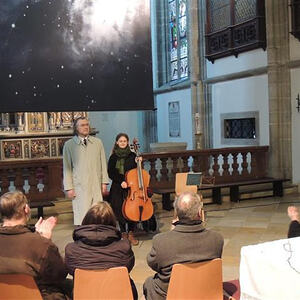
194	179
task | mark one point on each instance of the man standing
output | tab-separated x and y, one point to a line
85	171
187	242
28	251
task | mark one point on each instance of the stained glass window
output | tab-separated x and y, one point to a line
178	45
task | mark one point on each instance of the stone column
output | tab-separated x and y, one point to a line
194	63
6	122
51	121
21	125
277	28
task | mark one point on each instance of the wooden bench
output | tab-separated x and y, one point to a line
216	190
40	206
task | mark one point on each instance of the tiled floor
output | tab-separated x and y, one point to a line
244	223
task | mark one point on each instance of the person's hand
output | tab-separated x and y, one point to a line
124	185
104	190
45	227
71	194
293	213
138	158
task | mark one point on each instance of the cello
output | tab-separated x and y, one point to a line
137	206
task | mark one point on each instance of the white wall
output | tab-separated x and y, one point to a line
245	61
184	98
294	48
295	90
243	95
109	124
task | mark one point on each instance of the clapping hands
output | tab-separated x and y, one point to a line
45	227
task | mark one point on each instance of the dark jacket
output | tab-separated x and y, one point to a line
113	173
294	229
117	193
98	247
27	252
184	244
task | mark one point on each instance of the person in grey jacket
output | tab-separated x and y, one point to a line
85	171
187	242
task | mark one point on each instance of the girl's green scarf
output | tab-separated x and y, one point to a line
122	154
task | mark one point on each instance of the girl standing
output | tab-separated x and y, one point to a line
121	161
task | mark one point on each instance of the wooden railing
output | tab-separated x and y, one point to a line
42	179
224	164
38	179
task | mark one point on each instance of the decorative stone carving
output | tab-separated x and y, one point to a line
51	121
40	135
77	114
53	147
20	122
26	149
40	148
6	122
67	119
12	149
36	122
61	142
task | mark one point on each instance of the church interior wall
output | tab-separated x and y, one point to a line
185	119
241	96
109	124
294	48
294	43
231	64
295	91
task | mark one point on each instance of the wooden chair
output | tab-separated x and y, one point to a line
196	281
18	286
181	186
107	284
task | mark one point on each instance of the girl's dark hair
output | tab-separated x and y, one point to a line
100	213
117	138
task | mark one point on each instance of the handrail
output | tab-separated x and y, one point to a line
225	164
39	179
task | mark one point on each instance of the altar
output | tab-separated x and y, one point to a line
31	146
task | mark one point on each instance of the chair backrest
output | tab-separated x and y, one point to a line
111	283
181	186
18	286
196	281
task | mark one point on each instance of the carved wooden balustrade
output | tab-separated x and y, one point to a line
39	179
42	179
225	164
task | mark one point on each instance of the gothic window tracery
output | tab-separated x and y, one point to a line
177	39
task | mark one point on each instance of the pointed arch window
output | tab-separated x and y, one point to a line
177	40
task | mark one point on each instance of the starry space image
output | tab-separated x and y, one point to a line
75	55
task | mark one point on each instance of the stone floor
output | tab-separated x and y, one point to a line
244	223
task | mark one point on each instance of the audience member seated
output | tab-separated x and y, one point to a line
30	251
294	229
187	242
98	244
